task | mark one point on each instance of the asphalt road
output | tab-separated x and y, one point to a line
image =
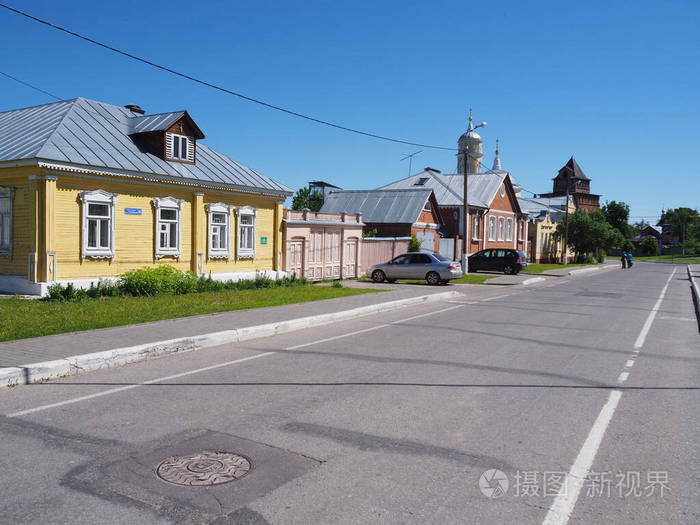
581	392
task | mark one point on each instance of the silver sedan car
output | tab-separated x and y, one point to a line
433	267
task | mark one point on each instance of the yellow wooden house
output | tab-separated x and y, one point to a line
89	190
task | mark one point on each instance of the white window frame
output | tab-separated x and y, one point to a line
105	198
167	203
492	228
475	227
171	139
247	252
7	194
501	228
509	229
521	228
216	252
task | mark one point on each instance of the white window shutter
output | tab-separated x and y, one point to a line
169	145
190	149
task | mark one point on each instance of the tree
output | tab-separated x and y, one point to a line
305	198
682	223
649	246
589	232
617	214
638	226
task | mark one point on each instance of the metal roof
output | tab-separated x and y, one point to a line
536	207
146	123
382	206
95	134
449	188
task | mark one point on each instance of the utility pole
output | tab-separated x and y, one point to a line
465	201
566	220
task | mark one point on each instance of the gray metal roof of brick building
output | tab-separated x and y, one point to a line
382	206
94	134
449	188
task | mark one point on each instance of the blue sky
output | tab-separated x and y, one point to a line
613	83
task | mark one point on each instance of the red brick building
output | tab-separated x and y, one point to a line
579	187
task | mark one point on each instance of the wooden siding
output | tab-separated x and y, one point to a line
60	230
23	220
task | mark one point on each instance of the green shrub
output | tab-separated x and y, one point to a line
600	255
162	280
589	259
337	284
158	280
414	244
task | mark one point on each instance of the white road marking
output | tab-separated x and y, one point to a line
560	511
212	367
129	387
497	297
671	318
647	325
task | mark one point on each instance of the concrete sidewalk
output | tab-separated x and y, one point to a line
49	348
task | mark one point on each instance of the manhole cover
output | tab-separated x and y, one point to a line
205	468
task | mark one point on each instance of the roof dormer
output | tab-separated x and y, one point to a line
170	136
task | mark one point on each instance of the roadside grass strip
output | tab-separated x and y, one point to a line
21	318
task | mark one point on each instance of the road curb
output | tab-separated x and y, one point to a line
696	294
37	372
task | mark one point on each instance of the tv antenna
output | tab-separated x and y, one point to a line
410	160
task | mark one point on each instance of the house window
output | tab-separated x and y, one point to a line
179	147
475	227
421	181
98	224
246	232
501	227
521	228
219	231
6	196
492	228
167	234
509	230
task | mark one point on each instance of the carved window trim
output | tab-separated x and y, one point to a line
162	204
99	197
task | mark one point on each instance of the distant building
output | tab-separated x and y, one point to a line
495	218
319	186
392	213
579	187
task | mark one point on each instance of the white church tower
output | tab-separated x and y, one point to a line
470	149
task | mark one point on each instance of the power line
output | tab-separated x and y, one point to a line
219	88
29	85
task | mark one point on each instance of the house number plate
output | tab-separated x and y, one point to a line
133	211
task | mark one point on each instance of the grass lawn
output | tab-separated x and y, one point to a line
22	318
539	268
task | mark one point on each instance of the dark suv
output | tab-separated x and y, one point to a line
506	261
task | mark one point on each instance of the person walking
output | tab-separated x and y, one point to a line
623	259
629	259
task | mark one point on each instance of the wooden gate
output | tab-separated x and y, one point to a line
350	258
314	268
331	259
295	257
